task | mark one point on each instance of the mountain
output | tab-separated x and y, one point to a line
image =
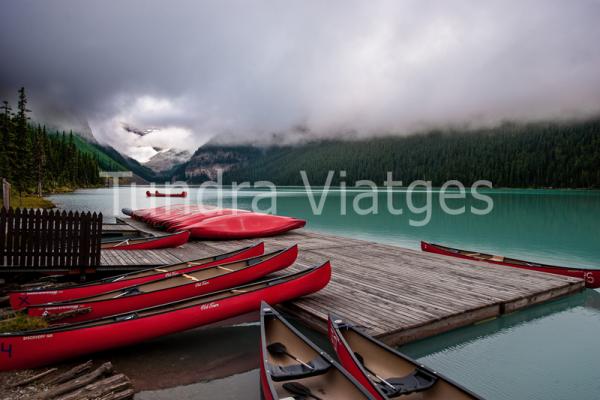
165	160
208	159
548	154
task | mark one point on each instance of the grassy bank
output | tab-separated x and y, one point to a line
29	201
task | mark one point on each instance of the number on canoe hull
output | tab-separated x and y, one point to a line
6	349
589	277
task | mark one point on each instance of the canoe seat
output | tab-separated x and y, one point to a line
497	258
160	270
225	269
193	278
254	261
128	292
417	381
126	317
298	371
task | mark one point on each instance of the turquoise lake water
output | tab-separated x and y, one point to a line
544	352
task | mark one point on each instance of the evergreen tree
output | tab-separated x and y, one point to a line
7	145
35	160
39	158
22	172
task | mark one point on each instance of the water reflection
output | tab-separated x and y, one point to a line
241	386
199	355
543	352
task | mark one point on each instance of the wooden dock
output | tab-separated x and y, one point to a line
397	294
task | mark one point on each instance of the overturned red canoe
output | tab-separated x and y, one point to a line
167	290
185	221
22	299
591	276
36	348
161	242
166	211
243	226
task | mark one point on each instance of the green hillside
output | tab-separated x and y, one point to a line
105	162
110	159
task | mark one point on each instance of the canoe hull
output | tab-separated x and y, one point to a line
162	242
244	226
590	276
38	349
120	305
22	299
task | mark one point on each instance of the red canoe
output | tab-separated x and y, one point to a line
36	348
183	222
169	289
146	214
159	194
161	242
300	363
243	226
22	299
591	276
387	373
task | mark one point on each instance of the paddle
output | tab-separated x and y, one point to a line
280	350
362	361
299	389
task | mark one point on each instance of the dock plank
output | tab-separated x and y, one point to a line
397	294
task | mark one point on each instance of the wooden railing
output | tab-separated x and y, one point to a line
50	240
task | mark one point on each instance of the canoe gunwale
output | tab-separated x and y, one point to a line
590	276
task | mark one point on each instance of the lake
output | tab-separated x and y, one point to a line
544	352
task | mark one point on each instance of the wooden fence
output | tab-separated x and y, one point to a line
50	240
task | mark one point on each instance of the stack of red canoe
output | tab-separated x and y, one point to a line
142	305
205	222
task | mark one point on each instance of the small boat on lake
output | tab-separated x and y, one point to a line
386	372
167	290
35	348
590	276
24	298
292	367
148	243
159	194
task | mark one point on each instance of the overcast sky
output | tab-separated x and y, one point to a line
257	69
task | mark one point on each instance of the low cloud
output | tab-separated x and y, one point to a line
254	71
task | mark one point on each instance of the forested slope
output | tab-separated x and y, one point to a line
560	155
